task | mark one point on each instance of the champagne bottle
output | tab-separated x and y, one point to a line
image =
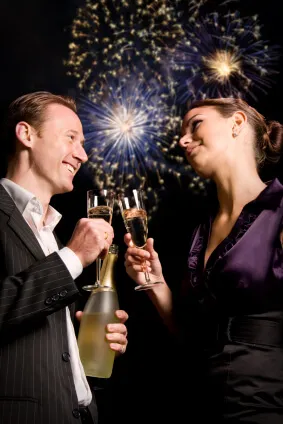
96	356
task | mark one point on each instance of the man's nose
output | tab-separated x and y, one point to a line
80	154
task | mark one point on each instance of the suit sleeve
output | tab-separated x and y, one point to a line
35	292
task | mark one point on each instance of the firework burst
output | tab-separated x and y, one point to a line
136	64
126	97
110	35
131	136
221	56
130	129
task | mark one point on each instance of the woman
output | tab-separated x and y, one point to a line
230	311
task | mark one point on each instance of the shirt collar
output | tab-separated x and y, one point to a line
27	202
271	196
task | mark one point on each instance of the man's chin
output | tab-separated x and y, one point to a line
64	189
69	188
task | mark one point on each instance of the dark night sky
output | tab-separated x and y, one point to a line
34	40
33	43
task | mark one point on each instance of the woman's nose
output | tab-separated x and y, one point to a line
185	140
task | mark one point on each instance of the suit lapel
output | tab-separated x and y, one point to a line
72	306
20	227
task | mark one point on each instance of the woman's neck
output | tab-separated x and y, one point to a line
237	189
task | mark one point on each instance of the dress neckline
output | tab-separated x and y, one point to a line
269	198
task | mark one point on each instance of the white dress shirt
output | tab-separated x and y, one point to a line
32	211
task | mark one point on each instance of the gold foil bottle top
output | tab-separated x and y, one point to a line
113	249
107	269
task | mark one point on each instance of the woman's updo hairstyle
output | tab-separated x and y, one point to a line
268	135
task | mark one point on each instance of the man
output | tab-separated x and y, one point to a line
41	376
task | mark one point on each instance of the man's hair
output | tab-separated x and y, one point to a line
30	108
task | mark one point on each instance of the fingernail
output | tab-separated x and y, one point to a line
113	346
109	336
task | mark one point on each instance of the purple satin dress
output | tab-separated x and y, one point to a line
233	314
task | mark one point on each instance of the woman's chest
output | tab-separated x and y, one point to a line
245	265
220	230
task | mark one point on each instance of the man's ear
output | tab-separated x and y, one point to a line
24	133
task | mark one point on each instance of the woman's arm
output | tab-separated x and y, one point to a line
160	295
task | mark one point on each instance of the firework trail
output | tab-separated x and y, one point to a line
110	35
136	66
223	55
126	99
131	134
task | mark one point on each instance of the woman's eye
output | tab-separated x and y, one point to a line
195	124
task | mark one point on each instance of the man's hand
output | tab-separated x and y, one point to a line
116	333
91	238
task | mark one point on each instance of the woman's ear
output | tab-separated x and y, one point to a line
239	120
24	133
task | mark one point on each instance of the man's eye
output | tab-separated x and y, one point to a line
195	124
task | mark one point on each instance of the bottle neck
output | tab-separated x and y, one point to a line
107	271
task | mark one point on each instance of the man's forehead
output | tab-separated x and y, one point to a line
61	115
54	110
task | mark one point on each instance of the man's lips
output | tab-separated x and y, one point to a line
72	168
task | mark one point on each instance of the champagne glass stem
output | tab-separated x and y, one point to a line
146	273
99	205
98	267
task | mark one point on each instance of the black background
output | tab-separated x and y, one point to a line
146	381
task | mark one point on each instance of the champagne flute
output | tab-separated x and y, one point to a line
100	204
135	220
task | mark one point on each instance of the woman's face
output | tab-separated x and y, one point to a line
207	140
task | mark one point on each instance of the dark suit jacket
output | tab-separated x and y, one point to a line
36	381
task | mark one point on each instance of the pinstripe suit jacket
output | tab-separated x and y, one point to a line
36	381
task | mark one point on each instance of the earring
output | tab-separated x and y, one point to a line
235	132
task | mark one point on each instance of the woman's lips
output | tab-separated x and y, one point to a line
191	149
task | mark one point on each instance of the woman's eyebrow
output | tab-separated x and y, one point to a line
189	120
184	127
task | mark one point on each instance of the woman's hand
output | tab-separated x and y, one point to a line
138	260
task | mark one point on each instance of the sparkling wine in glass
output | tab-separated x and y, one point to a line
100	204
135	220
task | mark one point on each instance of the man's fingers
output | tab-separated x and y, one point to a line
122	315
79	315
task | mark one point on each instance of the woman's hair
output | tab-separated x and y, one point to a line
268	135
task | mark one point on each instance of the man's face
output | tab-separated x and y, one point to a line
57	150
